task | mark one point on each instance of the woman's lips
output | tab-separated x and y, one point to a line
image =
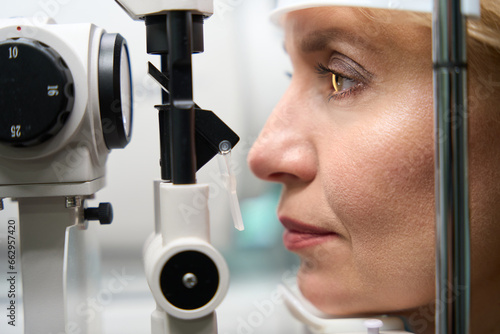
299	235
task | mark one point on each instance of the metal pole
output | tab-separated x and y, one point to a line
182	116
452	198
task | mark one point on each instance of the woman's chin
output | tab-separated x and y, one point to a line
343	298
321	294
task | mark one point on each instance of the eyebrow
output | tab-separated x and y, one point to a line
320	39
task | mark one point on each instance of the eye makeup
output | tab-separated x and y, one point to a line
346	77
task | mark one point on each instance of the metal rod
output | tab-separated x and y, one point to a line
164	121
157	44
452	198
182	116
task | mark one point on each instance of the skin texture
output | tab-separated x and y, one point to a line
360	163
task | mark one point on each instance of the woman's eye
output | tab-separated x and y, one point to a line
341	83
340	86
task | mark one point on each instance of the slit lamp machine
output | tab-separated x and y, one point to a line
54	145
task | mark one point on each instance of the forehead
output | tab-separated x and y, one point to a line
373	30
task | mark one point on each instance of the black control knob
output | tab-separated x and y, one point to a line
36	92
104	213
189	280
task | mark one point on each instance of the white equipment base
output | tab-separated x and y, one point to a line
60	267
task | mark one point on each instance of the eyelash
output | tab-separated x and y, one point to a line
323	71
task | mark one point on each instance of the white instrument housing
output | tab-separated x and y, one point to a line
73	161
140	9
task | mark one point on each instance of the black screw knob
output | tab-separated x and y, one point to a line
104	213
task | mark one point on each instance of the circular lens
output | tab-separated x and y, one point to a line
126	91
115	91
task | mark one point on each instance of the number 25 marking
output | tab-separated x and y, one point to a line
15	130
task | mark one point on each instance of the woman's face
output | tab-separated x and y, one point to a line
355	155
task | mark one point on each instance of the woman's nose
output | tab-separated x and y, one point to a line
284	151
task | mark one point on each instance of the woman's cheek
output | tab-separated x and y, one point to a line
382	189
380	166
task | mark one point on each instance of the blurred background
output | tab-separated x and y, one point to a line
240	76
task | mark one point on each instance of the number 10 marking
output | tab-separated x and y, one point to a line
13	52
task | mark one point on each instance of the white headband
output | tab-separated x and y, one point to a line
469	7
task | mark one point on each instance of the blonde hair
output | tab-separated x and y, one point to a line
483	51
487	29
483	35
